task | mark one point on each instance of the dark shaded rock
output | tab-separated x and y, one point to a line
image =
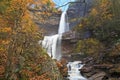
70	36
115	71
50	26
69	39
93	71
78	10
88	60
103	66
98	76
77	56
86	69
67	47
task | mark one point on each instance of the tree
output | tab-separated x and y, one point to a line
103	21
24	57
42	10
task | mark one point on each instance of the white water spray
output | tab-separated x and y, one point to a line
73	70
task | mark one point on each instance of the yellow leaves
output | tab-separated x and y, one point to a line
100	14
20	3
94	11
43	9
25	34
45	2
89	46
104	3
115	50
105	7
5	29
81	25
2	49
5	42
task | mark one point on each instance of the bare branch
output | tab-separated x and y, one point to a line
71	2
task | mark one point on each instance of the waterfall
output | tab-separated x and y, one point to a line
64	25
52	44
73	70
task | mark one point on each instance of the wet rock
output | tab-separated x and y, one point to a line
71	36
86	69
88	60
69	39
115	72
103	66
98	76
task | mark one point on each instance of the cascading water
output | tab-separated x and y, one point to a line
64	25
73	70
52	44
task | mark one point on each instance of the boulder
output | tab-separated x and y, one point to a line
70	36
103	66
98	76
115	71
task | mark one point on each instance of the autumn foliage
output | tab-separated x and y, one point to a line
103	26
21	58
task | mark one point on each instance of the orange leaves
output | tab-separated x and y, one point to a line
62	68
42	77
27	73
5	42
20	43
2	70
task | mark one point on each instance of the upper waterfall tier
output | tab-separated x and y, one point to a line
64	25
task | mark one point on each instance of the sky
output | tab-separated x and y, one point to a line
62	2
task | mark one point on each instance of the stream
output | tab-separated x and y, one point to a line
74	70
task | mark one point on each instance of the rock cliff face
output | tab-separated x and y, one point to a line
78	10
75	12
50	26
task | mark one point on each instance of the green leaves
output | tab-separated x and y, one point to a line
89	47
3	5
